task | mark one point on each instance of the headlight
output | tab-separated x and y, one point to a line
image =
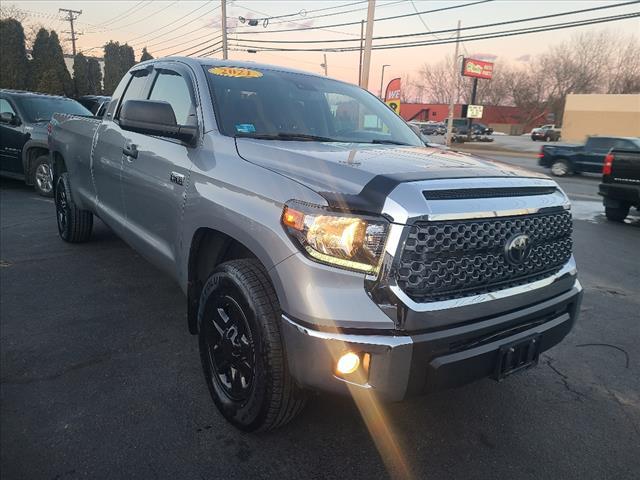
342	240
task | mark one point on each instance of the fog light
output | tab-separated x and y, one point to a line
347	363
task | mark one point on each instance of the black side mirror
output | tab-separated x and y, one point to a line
9	118
155	118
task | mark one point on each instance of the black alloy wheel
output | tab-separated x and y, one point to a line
230	348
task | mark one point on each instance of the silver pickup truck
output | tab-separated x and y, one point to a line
320	244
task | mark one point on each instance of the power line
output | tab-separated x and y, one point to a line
167	25
148	16
129	11
451	30
344	24
208	41
504	33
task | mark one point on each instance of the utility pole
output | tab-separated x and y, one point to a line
223	12
324	65
361	40
72	15
454	93
368	40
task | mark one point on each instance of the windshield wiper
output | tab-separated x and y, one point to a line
387	142
287	136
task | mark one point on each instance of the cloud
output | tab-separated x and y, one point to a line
524	58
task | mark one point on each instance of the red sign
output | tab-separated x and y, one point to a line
392	95
477	68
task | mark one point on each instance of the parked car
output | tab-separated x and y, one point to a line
620	187
320	244
548	133
477	129
24	152
96	104
568	159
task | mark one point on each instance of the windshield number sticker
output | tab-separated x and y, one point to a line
236	72
245	128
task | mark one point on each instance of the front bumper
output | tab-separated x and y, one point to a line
403	365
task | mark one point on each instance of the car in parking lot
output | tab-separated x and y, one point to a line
24	153
97	104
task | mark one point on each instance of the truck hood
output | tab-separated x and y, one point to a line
346	168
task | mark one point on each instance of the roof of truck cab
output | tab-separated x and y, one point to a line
233	63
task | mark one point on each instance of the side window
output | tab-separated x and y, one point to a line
5	107
172	87
600	144
624	144
136	88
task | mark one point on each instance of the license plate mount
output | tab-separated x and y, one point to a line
517	356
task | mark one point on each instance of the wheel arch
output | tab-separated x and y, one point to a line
31	151
208	249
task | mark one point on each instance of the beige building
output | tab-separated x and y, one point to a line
615	115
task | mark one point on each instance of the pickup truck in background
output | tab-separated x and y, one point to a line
589	158
620	187
320	244
23	135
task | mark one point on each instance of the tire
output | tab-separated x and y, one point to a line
561	168
533	138
74	224
547	138
241	349
41	177
616	214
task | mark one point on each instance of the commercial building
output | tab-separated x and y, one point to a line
595	114
509	120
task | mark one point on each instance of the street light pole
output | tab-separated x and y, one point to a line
382	81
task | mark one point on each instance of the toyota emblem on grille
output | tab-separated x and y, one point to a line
517	249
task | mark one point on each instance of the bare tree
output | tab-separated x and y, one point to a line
12	11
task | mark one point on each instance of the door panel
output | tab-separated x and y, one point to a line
153	187
12	138
156	173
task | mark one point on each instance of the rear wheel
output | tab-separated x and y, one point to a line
616	214
561	168
42	179
74	224
241	350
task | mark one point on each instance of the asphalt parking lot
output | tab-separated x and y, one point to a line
99	377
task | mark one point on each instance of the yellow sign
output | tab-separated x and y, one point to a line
237	72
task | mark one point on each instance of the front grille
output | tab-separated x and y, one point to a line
453	259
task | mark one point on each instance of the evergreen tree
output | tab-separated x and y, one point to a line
94	76
48	72
145	55
13	73
81	75
118	59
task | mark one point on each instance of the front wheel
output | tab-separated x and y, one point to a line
74	224
561	168
42	179
241	350
617	214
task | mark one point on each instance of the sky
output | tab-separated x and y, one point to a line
171	26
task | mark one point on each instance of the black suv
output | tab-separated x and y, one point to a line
96	103
24	116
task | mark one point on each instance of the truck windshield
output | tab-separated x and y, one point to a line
41	109
276	105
